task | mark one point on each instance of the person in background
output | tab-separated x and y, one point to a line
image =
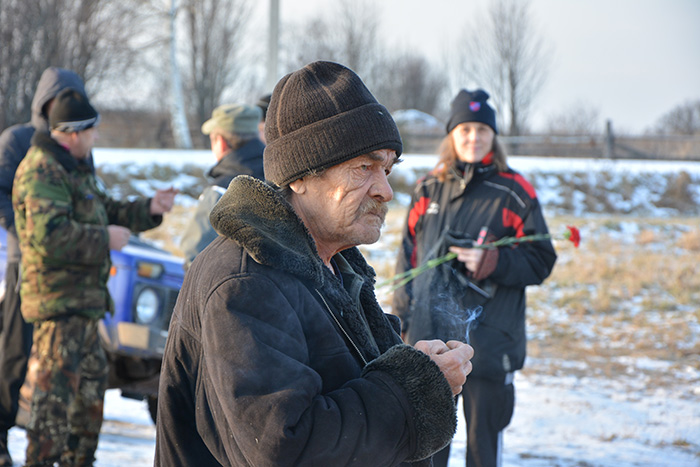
66	226
263	103
16	337
233	131
278	352
472	197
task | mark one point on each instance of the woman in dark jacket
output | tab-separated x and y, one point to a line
472	197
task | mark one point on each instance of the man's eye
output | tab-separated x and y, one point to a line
364	167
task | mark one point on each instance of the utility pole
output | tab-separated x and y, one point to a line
178	119
609	141
273	44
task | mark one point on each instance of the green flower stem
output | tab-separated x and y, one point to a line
407	276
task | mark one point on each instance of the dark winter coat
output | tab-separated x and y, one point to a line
271	362
436	304
61	218
15	142
246	160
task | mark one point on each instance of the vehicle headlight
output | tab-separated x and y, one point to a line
149	270
147	306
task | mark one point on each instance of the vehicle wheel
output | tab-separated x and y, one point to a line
152	406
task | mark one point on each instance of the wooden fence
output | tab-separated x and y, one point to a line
608	145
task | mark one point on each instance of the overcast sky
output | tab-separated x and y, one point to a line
632	60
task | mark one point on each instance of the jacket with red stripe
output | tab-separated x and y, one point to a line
439	303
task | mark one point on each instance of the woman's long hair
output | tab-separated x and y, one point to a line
448	156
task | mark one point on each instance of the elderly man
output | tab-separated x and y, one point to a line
66	226
233	132
278	352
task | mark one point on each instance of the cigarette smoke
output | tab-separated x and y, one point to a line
472	314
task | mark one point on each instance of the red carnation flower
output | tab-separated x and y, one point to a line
573	235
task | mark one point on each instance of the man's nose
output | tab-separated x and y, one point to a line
381	189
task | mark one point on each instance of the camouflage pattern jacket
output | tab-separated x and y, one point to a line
61	217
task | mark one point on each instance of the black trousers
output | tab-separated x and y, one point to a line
15	346
488	409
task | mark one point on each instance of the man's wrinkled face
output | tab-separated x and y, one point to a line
345	206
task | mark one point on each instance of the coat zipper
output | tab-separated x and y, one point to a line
347	336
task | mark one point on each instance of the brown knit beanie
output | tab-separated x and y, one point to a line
320	116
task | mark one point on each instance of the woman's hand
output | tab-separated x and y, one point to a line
471	257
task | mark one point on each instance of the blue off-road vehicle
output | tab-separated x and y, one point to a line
144	283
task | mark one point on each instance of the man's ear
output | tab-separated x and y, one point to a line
219	146
298	186
221	141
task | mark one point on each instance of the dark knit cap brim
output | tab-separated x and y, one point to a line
319	117
72	112
301	148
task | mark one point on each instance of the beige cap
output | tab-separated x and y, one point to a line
234	118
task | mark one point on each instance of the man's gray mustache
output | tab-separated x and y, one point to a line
374	207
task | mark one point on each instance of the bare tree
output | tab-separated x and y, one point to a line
502	53
90	37
580	119
307	42
683	119
358	31
17	79
189	54
214	42
348	35
414	84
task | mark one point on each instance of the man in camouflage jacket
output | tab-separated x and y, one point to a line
16	335
66	226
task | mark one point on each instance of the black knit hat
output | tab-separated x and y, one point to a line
470	106
72	112
320	116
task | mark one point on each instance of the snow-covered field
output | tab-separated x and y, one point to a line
577	415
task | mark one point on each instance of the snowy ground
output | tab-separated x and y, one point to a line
128	436
576	418
558	422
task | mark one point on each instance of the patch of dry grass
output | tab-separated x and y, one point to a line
690	241
621	298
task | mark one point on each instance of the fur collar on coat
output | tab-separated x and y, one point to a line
259	219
